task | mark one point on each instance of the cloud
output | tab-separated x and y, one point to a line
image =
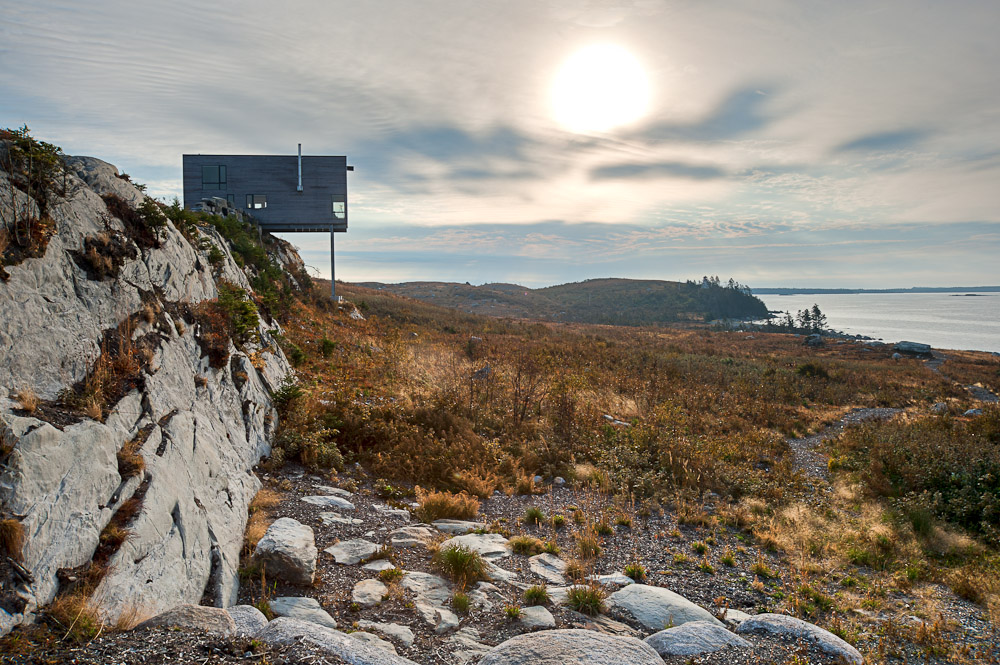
903	139
741	112
657	170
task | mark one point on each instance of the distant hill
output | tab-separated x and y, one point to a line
608	301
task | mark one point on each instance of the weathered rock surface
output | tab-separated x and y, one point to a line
330	519
303	609
489	545
433	594
209	619
411	536
458	527
466	645
285	630
373	640
288	551
369	593
612	580
329	501
913	347
351	552
401	634
656	608
694	638
560	647
201	441
781	624
549	567
248	619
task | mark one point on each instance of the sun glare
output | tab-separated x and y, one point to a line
598	88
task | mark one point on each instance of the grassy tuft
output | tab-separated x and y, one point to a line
536	595
461	564
586	599
445	505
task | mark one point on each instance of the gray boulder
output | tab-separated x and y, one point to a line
249	620
401	634
411	536
973	412
915	348
656	608
783	625
457	527
536	618
693	639
369	593
303	609
213	620
351	552
489	545
939	408
549	567
288	551
562	647
286	631
328	501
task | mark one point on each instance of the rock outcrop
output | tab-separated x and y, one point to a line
193	428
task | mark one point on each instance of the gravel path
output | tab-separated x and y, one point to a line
812	462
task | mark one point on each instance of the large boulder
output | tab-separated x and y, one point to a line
352	552
369	593
213	620
579	647
783	625
915	348
285	631
656	608
249	620
288	551
693	639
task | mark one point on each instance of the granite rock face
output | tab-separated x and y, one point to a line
285	631
781	624
213	620
200	429
693	639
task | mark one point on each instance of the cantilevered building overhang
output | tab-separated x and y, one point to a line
281	193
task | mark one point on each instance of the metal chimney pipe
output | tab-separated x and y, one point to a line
300	168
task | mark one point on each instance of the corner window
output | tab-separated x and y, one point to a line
339	206
256	201
213	177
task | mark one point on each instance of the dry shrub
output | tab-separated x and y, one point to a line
445	505
27	399
527	545
256	528
77	615
524	483
265	499
130	617
479	482
588	544
130	460
11	538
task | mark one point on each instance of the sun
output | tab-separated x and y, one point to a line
598	88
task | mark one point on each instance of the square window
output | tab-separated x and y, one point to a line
256	201
213	177
339	206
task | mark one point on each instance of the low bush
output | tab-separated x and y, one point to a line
636	571
445	505
586	599
536	595
528	545
533	515
461	564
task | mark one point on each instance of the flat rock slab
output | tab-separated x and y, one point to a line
781	624
412	536
400	633
329	519
693	639
656	608
536	618
374	640
401	513
329	502
369	593
351	552
735	617
302	609
489	545
213	620
458	527
577	647
249	620
614	580
288	551
284	631
549	567
601	623
466	645
336	491
378	565
433	594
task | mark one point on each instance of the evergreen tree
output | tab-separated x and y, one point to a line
804	318
818	319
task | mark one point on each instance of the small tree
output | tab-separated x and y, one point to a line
818	319
804	317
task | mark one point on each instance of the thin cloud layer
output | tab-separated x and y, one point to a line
786	143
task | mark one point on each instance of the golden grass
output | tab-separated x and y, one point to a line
11	538
27	399
77	615
130	460
445	505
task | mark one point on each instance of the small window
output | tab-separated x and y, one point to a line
339	206
256	201
213	177
231	200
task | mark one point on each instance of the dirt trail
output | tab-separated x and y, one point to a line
812	462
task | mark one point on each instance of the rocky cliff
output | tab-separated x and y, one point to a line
130	419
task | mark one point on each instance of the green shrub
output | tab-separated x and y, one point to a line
461	564
528	545
326	347
636	571
588	599
460	602
533	515
241	311
536	595
296	355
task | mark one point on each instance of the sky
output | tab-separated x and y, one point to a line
781	143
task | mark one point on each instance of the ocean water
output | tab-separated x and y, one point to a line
943	320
